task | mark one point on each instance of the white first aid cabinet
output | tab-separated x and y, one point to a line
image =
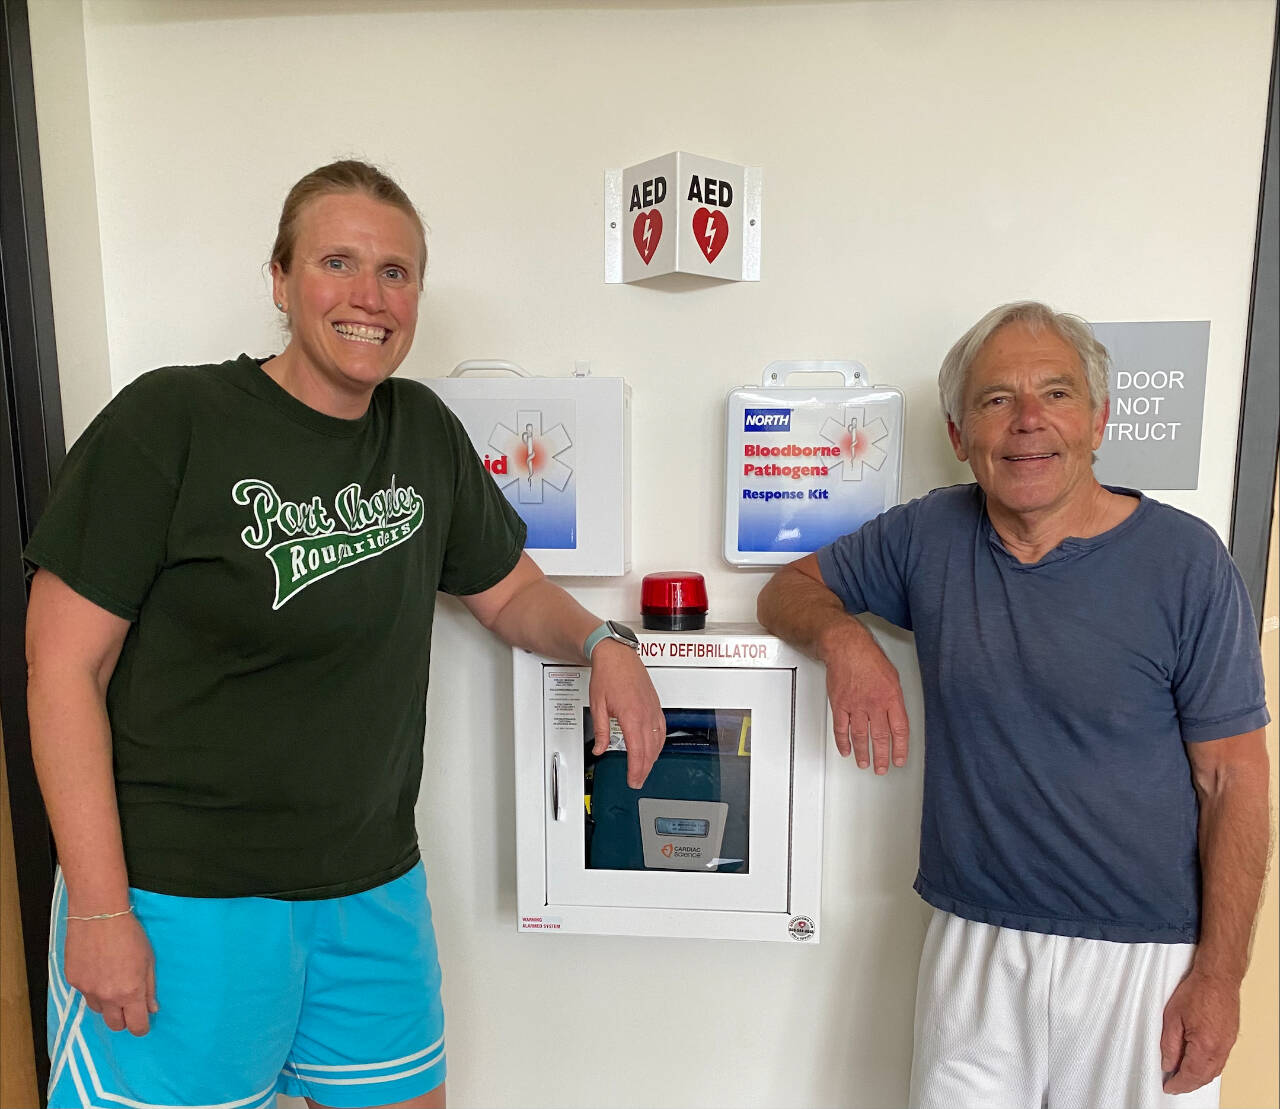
559	448
724	840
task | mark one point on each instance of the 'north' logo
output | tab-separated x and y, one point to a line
767	419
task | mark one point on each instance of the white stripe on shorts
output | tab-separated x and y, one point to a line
1007	1019
348	1080
305	1069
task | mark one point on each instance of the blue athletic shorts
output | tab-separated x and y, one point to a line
337	1000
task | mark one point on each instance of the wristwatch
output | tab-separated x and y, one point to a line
610	629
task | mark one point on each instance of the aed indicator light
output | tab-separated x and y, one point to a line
674	601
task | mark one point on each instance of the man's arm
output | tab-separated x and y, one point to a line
526	610
1202	1017
862	684
72	649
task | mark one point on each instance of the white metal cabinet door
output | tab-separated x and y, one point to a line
767	694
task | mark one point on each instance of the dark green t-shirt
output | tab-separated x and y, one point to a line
279	569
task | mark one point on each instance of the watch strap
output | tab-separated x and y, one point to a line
603	632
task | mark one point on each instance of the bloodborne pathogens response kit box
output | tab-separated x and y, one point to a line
560	450
804	466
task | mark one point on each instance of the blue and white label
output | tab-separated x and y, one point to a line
528	449
802	475
767	419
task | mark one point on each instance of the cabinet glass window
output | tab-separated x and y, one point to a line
693	812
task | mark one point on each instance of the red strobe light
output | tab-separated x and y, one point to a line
674	601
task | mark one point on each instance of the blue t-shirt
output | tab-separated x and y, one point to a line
1058	696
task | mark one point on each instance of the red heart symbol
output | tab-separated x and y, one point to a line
646	232
711	230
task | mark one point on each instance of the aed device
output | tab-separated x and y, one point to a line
806	465
682	835
723	840
559	448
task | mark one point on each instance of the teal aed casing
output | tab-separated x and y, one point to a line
706	759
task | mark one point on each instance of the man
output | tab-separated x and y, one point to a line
1095	824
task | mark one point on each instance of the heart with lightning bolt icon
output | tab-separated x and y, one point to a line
858	441
645	233
710	231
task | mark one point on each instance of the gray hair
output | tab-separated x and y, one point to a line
1038	317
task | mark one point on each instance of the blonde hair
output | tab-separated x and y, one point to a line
345	176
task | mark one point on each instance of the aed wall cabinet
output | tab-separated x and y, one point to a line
724	839
559	449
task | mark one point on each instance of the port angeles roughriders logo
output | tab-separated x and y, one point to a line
305	541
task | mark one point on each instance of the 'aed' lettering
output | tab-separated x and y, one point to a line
649	193
709	190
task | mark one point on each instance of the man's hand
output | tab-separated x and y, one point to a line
862	685
110	962
865	695
620	688
1201	1022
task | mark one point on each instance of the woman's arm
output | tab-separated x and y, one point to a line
527	610
72	649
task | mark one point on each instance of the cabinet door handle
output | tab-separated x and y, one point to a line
557	801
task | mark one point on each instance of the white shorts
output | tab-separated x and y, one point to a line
1007	1019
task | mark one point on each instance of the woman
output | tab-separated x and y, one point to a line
228	643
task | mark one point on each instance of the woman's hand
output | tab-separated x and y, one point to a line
110	962
621	688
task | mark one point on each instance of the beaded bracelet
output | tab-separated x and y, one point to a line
102	916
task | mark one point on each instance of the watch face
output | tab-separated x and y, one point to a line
624	633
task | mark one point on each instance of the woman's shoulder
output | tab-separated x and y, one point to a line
418	401
410	390
156	411
170	391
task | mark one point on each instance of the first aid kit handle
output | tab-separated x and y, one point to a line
463	368
557	804
854	373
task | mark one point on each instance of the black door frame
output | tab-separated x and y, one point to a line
31	451
1258	444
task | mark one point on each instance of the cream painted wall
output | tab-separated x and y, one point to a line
70	209
922	162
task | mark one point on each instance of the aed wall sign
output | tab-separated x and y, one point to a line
1158	372
682	213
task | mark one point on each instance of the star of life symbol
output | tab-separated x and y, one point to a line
533	454
858	441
